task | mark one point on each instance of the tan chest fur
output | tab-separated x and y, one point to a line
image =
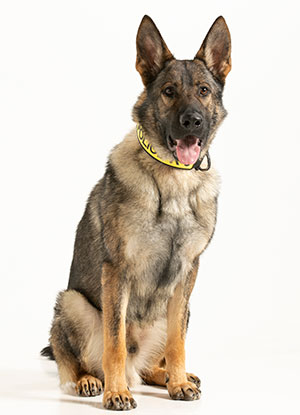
170	218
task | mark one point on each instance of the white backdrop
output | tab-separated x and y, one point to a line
67	86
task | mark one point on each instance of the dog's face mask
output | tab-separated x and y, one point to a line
182	101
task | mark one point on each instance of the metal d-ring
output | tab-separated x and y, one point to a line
197	165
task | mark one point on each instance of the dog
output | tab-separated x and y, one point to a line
124	316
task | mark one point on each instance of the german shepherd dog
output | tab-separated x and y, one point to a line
124	315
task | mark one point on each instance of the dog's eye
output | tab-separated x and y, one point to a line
204	91
169	92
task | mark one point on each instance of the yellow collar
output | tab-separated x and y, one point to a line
174	163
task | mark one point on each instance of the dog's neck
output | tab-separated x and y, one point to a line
142	174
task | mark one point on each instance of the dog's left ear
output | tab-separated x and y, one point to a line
152	52
216	49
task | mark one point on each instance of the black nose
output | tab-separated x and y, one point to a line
190	120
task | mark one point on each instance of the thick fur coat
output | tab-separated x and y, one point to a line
124	314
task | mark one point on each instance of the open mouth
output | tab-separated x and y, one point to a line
186	149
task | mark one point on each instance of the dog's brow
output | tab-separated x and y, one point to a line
185	74
186	77
179	74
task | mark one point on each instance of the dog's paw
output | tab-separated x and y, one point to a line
194	379
119	401
89	386
185	391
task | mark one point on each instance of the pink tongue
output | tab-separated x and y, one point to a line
187	150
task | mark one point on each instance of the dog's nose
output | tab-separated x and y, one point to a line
190	120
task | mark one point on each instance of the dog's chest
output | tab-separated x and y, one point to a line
162	238
162	248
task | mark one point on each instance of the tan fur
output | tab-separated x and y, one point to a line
88	321
159	376
114	352
175	187
87	383
156	376
175	353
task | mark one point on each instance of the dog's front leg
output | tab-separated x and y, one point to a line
177	383
114	305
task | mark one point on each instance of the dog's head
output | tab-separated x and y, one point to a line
181	105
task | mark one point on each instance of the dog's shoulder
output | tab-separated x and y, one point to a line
130	164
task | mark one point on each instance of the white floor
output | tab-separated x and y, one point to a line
262	386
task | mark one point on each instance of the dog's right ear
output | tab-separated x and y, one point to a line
152	52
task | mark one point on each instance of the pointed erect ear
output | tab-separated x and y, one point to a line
215	50
152	52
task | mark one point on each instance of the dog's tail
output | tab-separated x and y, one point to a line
47	352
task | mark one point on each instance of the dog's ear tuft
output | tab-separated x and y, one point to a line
152	52
216	49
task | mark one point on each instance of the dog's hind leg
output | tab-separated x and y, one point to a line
157	375
76	341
